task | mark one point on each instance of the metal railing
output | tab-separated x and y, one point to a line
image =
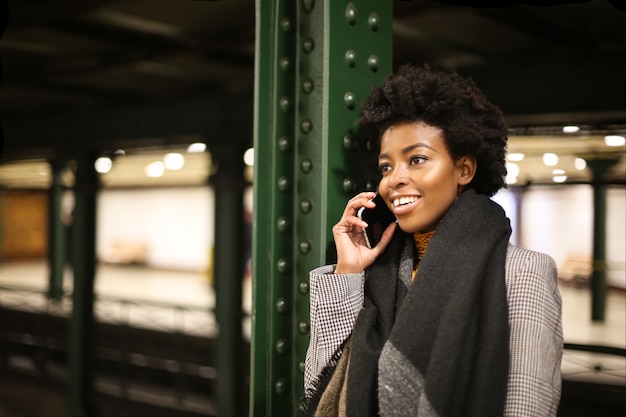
137	343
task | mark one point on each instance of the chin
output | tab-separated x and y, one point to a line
407	228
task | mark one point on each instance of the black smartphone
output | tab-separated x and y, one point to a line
377	218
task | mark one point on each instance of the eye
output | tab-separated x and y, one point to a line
382	168
416	160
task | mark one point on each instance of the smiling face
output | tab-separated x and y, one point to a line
420	180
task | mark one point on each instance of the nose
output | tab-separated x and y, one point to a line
398	177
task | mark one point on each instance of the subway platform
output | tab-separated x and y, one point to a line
155	299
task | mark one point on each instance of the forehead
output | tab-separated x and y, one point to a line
411	135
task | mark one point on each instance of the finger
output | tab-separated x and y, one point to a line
350	224
358	201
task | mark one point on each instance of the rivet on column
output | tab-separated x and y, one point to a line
307	85
351	14
283	224
284	184
304	246
285	104
350	58
284	144
281	386
306	205
348	185
282	306
374	22
373	63
350	100
283	265
308	44
306	165
306	125
282	347
303	287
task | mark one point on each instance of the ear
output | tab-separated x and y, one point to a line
466	166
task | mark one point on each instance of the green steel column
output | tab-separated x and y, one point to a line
229	268
599	168
315	65
56	233
272	284
84	266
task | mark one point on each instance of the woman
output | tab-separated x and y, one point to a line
443	317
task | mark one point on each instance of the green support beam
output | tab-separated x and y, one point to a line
316	62
81	388
229	186
599	167
57	235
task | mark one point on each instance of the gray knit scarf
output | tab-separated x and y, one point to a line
439	347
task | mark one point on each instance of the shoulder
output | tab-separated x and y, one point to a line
531	277
529	261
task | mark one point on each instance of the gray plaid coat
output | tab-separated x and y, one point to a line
536	339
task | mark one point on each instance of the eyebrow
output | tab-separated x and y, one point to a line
409	149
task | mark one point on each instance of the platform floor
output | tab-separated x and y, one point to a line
194	290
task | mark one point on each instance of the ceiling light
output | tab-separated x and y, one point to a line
197	147
515	157
512	170
248	157
174	161
614	140
580	164
103	165
550	159
570	129
558	172
155	169
559	178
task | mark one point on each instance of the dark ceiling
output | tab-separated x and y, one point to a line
544	65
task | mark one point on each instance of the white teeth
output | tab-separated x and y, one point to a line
403	200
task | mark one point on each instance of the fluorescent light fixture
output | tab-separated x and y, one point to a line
550	159
248	157
516	157
103	165
614	140
580	164
197	147
155	169
174	161
570	129
512	171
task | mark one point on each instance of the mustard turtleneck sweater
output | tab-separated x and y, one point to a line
421	243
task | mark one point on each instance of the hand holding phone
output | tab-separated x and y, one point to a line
377	218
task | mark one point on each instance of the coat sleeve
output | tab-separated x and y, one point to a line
335	302
536	339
